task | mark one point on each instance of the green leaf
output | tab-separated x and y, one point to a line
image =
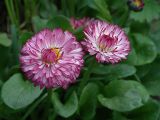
145	49
59	22
4	40
151	11
100	6
69	108
155	34
47	9
88	99
149	111
38	23
122	95
126	30
17	93
115	71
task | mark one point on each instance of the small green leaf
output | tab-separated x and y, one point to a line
145	49
47	9
69	108
88	99
59	22
100	6
127	30
38	23
4	40
151	11
17	93
122	96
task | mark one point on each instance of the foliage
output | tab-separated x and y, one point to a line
129	90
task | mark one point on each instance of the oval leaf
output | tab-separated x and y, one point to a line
4	40
150	111
145	49
38	23
69	108
127	96
17	93
59	22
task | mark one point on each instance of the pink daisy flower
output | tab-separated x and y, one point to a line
77	23
108	42
52	58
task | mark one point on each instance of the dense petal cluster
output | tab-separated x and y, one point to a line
52	58
108	42
77	23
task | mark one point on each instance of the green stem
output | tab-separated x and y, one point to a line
86	75
9	11
13	11
17	3
13	15
51	114
50	94
15	47
27	11
34	106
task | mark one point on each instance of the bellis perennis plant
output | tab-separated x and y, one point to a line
54	58
79	60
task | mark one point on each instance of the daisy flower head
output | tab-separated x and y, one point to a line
108	42
52	59
135	5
